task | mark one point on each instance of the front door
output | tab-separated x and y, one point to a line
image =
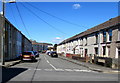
85	52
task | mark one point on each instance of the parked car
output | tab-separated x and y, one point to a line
36	53
48	53
44	51
28	55
53	54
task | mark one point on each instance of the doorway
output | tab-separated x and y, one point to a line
85	52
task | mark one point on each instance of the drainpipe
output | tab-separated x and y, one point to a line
99	44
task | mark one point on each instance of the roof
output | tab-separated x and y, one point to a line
41	44
107	24
6	20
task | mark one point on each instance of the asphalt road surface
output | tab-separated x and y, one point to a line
47	68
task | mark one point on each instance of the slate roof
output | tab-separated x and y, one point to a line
111	22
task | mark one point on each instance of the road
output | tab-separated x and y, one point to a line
53	69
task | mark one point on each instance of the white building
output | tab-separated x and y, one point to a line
102	42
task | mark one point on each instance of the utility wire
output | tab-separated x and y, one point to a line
56	16
42	19
13	16
22	20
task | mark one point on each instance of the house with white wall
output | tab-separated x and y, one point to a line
102	42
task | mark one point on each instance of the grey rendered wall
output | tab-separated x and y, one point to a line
114	45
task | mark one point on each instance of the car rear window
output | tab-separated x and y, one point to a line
35	52
26	53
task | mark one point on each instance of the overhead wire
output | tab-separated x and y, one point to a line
22	20
13	16
56	16
43	20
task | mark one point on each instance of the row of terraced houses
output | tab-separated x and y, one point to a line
40	47
100	44
14	41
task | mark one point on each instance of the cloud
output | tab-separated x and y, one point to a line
42	41
58	38
76	6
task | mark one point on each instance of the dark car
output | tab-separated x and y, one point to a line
53	54
28	55
48	53
36	53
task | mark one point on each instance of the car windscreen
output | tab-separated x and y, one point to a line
26	53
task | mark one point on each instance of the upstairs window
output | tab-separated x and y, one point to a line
86	40
81	41
110	34
119	34
104	36
96	35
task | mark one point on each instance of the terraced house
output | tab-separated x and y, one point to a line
14	41
100	44
40	47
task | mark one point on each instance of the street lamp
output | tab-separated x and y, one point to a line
3	30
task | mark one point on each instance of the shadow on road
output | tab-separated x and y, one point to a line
35	61
9	73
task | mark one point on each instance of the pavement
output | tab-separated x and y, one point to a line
92	66
11	63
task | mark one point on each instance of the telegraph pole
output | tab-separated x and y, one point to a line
2	33
2	46
99	44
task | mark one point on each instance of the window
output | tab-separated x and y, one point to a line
119	52
104	36
110	34
108	50
96	35
86	40
104	50
119	34
81	41
96	50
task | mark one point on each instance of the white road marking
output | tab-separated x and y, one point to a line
29	69
45	58
53	66
48	69
59	70
68	69
85	70
50	63
37	69
76	69
79	70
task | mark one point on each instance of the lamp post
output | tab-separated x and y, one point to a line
2	33
2	39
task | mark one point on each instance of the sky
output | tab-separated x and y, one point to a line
59	20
